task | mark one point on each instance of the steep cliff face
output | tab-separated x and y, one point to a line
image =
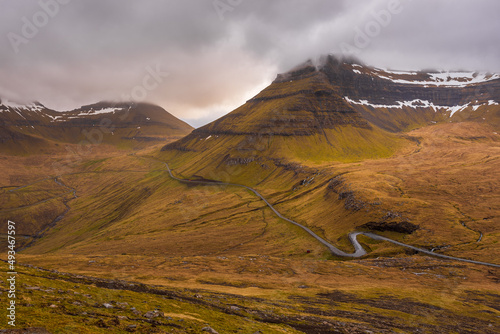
33	126
302	106
403	100
337	111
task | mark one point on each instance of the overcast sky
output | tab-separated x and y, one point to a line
199	59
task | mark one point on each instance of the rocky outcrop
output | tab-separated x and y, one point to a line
399	227
351	201
434	96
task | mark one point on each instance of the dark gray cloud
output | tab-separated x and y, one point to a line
220	52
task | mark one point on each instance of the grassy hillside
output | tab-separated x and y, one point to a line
129	204
131	222
248	294
299	121
31	130
216	255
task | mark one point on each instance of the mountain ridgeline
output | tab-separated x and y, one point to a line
322	156
34	128
339	111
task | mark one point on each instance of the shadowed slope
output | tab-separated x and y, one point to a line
29	129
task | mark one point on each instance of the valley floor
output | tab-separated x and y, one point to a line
218	256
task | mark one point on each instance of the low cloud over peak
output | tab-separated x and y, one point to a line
210	56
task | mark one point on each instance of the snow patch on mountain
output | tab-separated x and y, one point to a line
399	72
417	103
13	106
100	111
10	106
457	108
444	79
54	118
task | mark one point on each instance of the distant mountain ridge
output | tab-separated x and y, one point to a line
401	100
125	124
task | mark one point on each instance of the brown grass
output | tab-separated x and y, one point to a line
131	221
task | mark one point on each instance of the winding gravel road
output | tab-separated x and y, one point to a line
358	249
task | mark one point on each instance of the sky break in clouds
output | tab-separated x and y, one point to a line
199	59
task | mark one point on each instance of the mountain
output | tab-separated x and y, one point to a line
338	148
339	111
343	146
404	100
33	127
